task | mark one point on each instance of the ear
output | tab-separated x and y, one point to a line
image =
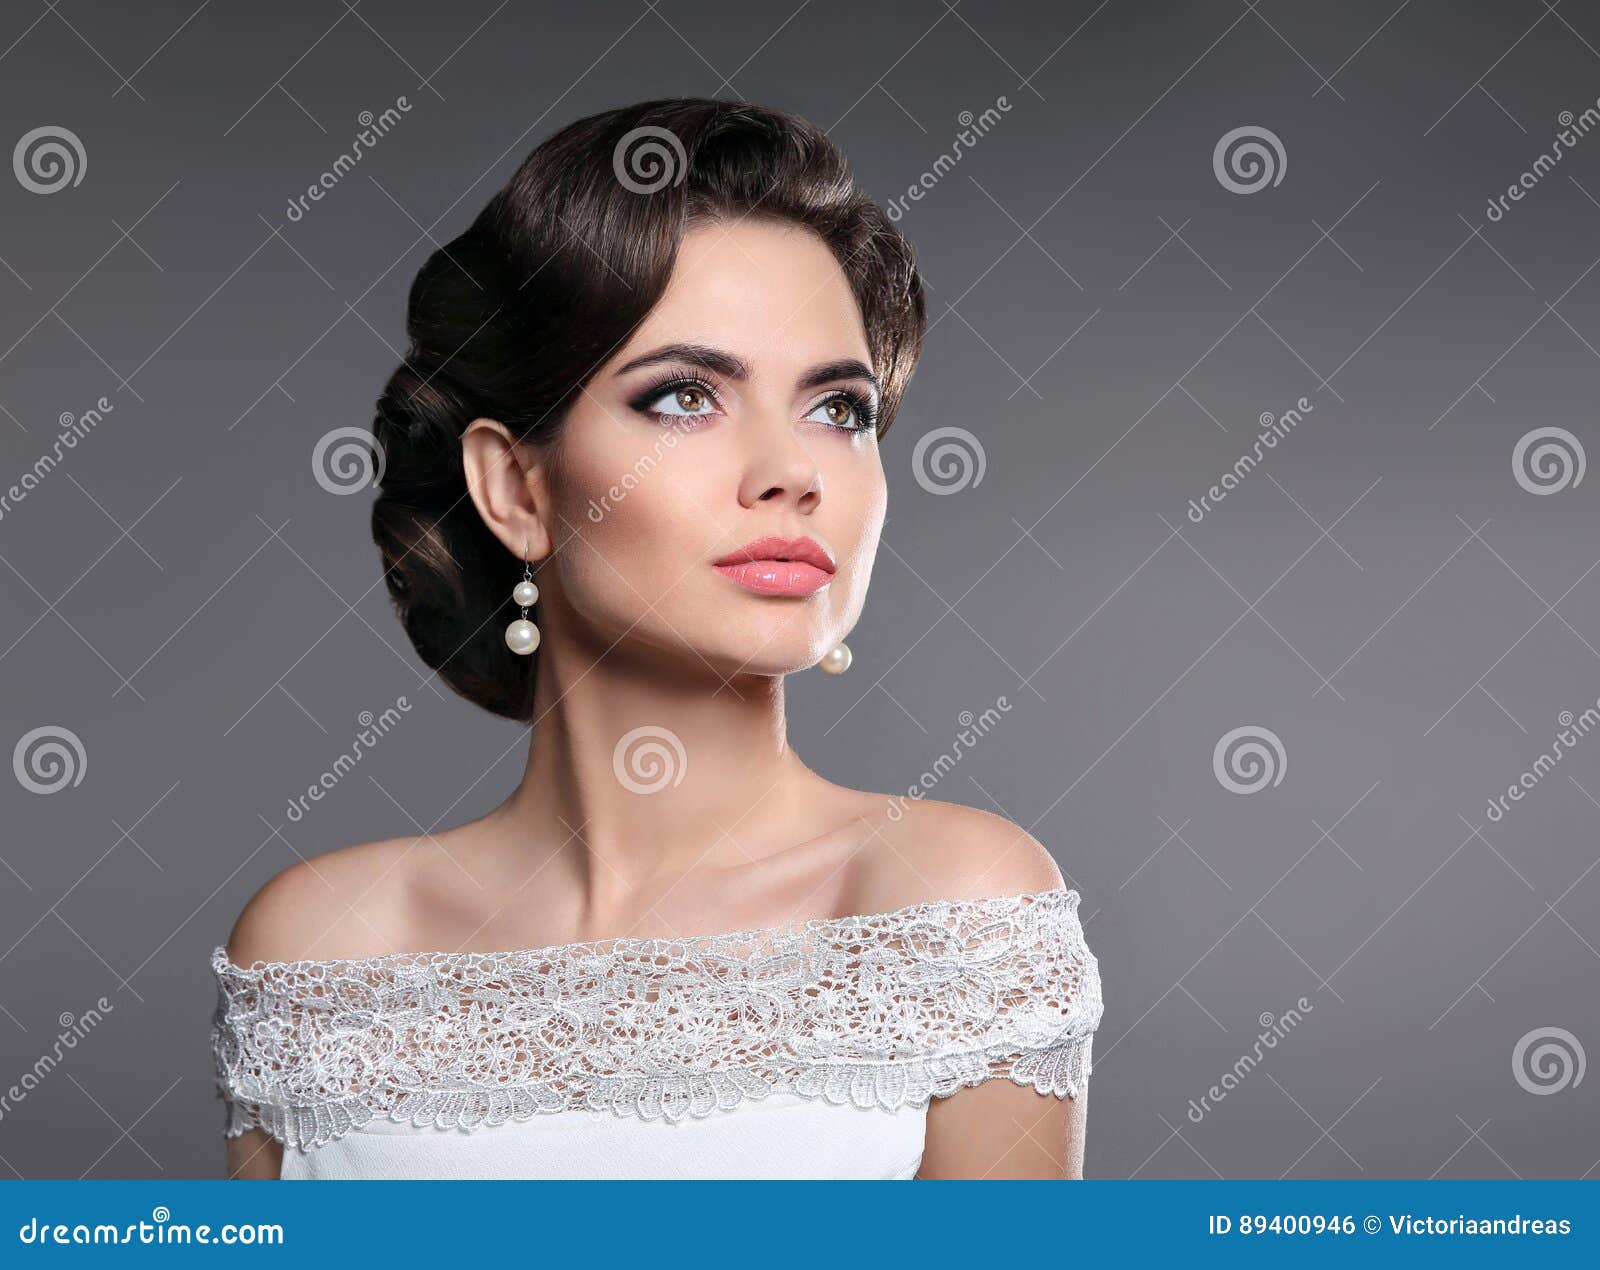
507	484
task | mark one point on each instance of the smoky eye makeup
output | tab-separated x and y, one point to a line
864	405
692	395
683	382
863	408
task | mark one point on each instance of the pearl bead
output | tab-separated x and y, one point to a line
522	637
525	595
837	660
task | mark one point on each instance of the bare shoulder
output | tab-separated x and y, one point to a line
946	851
344	903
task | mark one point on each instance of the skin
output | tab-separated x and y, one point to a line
639	630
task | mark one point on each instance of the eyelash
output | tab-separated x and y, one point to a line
866	410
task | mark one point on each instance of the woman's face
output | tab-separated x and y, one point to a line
741	408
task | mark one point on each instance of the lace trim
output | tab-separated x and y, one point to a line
886	1010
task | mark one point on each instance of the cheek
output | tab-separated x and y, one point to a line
866	490
634	507
860	505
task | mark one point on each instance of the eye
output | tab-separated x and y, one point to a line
844	410
683	400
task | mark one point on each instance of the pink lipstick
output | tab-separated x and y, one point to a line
779	566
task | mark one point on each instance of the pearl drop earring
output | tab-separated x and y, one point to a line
522	636
837	661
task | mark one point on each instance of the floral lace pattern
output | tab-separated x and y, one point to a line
885	1010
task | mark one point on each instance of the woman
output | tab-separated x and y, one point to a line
632	480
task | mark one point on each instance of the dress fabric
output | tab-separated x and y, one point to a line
804	1051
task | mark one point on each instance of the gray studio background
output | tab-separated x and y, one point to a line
1395	596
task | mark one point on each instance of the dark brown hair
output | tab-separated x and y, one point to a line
512	317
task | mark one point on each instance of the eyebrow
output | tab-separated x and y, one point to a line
723	363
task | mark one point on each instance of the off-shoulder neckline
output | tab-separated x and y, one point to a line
220	961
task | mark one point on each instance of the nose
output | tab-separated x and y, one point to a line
778	465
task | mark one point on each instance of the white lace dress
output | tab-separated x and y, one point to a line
806	1051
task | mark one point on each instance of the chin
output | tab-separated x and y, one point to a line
785	652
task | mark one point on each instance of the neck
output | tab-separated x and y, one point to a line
640	770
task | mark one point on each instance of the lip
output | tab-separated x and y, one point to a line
777	565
